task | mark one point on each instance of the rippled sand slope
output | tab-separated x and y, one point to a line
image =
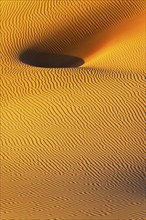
73	138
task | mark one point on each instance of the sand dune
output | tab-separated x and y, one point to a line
72	138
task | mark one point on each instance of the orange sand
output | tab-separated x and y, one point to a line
73	139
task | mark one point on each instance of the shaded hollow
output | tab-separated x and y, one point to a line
48	60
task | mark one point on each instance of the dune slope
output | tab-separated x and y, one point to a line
73	138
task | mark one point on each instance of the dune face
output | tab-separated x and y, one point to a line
73	136
39	59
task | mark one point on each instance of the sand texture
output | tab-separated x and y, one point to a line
72	123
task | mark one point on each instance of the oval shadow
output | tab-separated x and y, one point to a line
48	60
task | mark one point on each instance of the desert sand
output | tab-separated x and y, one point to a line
72	134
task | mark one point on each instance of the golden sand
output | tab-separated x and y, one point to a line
73	138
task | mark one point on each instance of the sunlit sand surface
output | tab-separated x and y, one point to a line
72	122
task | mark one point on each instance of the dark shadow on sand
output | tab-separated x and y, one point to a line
48	60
